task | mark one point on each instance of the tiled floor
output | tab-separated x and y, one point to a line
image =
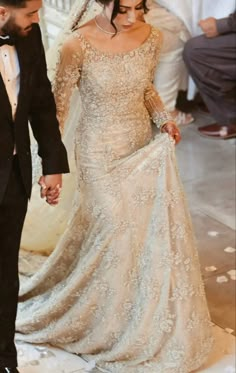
207	168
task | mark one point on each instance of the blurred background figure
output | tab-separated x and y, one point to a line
177	21
211	61
171	74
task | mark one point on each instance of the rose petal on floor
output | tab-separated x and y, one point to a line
230	249
210	269
232	272
229	331
212	233
221	279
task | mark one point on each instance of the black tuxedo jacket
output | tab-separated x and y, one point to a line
35	105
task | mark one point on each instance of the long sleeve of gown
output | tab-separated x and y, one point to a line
155	107
67	78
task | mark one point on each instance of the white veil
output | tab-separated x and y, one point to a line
45	224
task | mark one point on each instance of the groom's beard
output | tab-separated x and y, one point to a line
15	31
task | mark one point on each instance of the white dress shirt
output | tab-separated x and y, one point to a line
10	71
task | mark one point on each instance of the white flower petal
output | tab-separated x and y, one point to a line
210	269
213	233
233	278
230	249
228	330
232	272
221	279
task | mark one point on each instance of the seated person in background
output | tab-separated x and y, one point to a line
171	74
211	61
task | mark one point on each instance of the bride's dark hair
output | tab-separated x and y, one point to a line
117	8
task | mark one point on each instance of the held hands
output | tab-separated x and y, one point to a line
51	188
209	27
172	130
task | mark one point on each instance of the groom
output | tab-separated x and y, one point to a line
25	95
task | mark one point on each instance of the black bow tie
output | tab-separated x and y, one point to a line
6	40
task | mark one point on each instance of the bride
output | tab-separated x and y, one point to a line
123	285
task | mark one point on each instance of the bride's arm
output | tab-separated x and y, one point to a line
67	77
159	115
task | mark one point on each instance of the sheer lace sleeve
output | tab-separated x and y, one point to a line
156	107
67	77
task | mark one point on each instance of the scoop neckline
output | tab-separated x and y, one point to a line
91	46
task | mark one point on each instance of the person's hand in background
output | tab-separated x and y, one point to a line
209	27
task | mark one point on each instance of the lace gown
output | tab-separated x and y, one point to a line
123	286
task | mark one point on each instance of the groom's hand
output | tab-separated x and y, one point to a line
51	188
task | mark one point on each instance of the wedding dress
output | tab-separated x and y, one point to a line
123	285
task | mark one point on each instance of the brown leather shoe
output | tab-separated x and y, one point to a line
217	131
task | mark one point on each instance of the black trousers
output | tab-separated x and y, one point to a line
212	64
12	214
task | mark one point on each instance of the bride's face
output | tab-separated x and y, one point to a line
129	12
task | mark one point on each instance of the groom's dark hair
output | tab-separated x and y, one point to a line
14	3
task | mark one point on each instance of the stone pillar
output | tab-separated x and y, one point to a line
52	18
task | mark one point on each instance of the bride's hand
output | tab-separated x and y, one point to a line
172	129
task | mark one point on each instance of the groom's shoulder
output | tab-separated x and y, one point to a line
32	43
31	46
34	34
